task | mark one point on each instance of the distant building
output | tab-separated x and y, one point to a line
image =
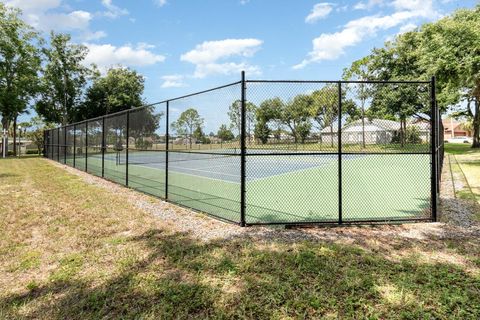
454	129
377	131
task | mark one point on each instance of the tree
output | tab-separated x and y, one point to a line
324	108
198	134
296	115
448	48
143	124
120	89
64	79
451	50
36	132
19	64
187	122
235	115
269	112
225	134
359	71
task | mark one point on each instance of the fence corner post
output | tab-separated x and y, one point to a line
434	149
103	146
167	147
339	150
242	152
127	133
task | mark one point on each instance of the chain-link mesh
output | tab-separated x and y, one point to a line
94	147
115	148
385	137
204	162
315	152
69	145
147	149
61	145
80	146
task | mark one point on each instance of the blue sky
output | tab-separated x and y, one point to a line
183	46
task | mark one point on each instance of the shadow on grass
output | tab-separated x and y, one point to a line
184	278
8	175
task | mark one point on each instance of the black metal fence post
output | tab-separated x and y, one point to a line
74	144
167	140
242	153
86	146
339	146
103	147
58	144
127	146
433	142
65	144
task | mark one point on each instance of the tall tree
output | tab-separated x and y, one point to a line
120	89
296	116
64	79
451	50
225	134
188	121
19	65
324	108
359	71
235	115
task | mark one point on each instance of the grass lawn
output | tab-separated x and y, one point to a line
465	166
73	250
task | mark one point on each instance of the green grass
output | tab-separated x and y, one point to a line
465	166
370	188
72	250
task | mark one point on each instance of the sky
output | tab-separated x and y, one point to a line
183	46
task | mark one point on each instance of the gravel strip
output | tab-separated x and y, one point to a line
455	217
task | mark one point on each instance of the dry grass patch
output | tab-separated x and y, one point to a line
77	249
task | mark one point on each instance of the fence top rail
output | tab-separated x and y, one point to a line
342	81
200	92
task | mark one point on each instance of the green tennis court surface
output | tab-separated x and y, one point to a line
293	188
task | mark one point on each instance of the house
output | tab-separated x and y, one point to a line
452	129
377	131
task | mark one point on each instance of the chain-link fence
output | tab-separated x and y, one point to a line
274	152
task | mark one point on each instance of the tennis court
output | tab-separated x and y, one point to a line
289	188
344	167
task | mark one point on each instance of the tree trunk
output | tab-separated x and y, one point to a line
331	135
402	134
476	125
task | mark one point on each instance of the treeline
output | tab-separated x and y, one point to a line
449	49
53	78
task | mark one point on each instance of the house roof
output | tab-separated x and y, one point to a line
372	124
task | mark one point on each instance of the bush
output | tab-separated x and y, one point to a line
413	135
143	144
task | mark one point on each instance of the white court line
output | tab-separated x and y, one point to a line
207	171
188	174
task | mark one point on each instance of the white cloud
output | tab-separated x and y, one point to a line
160	3
319	11
37	5
113	11
329	46
208	56
173	81
243	2
107	55
91	36
367	5
36	13
407	27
